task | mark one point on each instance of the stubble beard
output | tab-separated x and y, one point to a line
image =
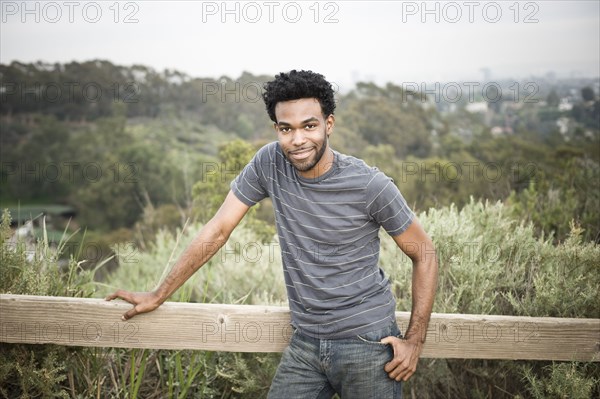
308	165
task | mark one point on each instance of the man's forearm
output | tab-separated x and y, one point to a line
203	247
424	284
210	239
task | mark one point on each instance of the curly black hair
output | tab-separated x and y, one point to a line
296	85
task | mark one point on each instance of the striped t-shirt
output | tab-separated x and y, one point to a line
328	231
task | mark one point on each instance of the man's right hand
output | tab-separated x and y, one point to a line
143	302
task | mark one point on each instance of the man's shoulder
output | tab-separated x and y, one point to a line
372	179
268	149
357	167
267	155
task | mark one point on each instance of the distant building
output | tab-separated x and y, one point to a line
477	107
500	130
565	104
563	125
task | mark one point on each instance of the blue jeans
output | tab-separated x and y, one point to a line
313	368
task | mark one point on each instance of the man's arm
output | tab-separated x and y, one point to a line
415	243
210	239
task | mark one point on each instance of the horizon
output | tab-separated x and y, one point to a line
549	76
346	41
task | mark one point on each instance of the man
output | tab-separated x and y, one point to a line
329	208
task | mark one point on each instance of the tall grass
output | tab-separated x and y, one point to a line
33	370
246	270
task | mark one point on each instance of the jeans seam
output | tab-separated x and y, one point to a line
320	391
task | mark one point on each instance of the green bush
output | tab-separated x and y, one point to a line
490	263
29	371
563	380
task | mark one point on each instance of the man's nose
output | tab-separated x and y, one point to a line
298	137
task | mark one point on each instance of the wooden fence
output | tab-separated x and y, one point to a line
244	328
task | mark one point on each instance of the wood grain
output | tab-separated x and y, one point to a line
245	328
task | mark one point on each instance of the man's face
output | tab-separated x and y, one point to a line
303	135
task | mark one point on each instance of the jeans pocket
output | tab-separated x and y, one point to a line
369	341
374	337
294	332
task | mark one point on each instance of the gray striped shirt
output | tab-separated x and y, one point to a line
328	230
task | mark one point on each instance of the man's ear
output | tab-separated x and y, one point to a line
330	123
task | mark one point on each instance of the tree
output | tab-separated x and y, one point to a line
553	100
587	93
208	194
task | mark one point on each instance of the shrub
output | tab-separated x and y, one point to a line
28	371
490	263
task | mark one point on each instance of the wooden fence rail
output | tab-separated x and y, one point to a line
244	328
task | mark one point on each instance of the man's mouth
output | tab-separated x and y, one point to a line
301	154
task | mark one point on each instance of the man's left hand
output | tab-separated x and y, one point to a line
406	356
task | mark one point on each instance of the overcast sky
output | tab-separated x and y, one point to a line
398	41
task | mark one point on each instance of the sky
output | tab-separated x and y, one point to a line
347	41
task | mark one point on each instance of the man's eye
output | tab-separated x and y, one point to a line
310	127
284	129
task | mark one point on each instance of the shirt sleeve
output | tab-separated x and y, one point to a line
386	205
249	186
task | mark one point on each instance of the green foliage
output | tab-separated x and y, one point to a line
490	263
245	270
562	380
553	99
109	170
28	371
34	269
551	212
210	191
113	181
553	205
30	160
388	116
246	375
547	184
152	149
183	369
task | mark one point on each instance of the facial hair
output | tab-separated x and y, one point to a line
306	166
